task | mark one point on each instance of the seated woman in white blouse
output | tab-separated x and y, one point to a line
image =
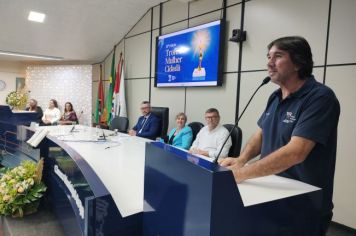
52	114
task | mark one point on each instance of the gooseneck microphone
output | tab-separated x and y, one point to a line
73	128
265	81
80	116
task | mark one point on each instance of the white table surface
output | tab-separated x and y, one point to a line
120	167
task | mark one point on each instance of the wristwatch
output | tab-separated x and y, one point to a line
2	85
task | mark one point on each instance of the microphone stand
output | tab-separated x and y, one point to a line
73	128
265	81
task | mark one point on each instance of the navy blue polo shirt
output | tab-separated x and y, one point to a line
312	112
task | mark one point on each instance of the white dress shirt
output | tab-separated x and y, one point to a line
53	115
212	141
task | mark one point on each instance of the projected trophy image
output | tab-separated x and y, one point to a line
201	41
190	57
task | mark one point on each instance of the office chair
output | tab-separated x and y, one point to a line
195	126
120	123
236	139
163	114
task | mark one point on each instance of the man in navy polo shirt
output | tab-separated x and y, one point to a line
297	132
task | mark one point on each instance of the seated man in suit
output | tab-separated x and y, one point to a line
211	137
148	125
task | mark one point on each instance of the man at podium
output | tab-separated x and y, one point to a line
297	132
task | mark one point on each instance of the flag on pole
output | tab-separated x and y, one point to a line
111	89
115	96
119	103
123	111
100	100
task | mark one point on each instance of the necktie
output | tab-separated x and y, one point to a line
143	124
143	121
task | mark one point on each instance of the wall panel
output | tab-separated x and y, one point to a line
232	2
233	21
141	26
156	17
10	80
342	32
175	27
174	11
205	18
169	97
136	92
342	81
222	98
65	84
153	68
266	20
137	51
201	7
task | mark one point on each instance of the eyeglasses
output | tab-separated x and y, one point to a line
211	117
143	108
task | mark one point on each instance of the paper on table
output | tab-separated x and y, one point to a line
270	188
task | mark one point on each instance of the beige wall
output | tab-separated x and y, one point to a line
9	70
265	20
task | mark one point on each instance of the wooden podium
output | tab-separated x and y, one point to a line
187	195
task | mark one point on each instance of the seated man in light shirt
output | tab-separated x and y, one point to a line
211	137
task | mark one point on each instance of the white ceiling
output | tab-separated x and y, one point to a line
77	30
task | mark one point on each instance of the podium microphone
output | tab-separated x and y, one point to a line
102	137
265	81
80	115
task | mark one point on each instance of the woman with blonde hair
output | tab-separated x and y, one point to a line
182	135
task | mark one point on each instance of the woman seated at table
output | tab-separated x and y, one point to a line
32	106
182	135
69	116
52	114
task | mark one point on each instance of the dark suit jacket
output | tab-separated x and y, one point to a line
150	129
39	113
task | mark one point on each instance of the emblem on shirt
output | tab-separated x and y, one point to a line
290	118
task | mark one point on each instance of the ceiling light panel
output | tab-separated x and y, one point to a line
36	16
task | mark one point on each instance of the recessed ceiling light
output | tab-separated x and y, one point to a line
16	54
36	16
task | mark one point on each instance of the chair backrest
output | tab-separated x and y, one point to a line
236	138
163	114
195	126
119	123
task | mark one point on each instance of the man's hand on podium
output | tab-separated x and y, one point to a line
235	165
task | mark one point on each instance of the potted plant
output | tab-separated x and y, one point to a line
16	100
21	189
